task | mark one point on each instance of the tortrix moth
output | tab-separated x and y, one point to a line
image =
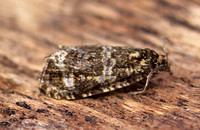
82	71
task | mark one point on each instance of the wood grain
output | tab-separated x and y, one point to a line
31	30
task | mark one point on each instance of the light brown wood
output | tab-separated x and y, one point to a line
31	30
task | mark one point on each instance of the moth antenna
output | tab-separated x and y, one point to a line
165	40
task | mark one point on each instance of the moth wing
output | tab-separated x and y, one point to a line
96	66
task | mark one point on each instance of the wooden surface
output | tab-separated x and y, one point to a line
32	29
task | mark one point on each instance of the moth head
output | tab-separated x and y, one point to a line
163	64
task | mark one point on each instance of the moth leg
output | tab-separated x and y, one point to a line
146	84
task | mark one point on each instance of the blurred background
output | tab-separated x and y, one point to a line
30	30
33	29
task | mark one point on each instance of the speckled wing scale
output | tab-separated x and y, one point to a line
82	71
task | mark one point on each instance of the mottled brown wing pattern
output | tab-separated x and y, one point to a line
77	72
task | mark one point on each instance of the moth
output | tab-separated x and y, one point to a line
83	71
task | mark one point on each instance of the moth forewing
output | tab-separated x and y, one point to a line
82	71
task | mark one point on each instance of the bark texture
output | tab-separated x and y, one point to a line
32	29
